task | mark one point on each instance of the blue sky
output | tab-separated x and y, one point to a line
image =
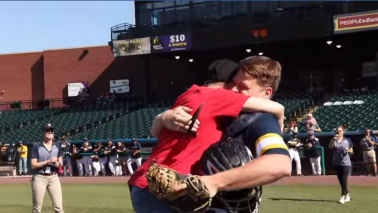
37	26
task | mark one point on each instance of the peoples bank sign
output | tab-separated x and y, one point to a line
355	22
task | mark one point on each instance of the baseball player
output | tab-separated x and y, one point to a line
79	159
86	160
136	157
99	152
181	151
67	150
294	144
121	150
110	151
313	154
96	168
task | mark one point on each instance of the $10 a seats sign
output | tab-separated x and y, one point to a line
170	43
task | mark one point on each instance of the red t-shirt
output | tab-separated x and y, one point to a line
181	151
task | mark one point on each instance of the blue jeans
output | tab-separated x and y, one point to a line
23	165
144	202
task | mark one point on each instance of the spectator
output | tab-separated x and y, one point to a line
311	127
311	118
136	157
293	127
294	143
22	151
368	143
313	153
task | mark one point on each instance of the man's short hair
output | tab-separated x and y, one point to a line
265	70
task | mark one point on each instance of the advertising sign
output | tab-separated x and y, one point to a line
369	69
355	22
77	89
137	46
119	86
170	43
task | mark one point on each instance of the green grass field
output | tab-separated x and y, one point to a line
114	198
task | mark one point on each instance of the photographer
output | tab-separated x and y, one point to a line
342	147
313	153
368	144
22	152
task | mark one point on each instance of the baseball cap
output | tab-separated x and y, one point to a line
311	133
85	139
48	127
223	70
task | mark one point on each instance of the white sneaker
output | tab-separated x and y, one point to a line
347	198
342	199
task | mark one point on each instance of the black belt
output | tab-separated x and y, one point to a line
47	174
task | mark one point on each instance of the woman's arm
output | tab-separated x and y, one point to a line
331	143
37	165
350	150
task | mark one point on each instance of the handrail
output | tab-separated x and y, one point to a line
152	140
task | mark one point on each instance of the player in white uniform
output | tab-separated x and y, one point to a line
294	144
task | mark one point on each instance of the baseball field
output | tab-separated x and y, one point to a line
111	195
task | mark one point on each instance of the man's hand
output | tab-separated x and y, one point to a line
179	119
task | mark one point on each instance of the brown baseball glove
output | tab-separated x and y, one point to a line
161	181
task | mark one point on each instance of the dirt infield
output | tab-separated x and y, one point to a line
306	180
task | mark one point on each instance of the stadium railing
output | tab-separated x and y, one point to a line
326	154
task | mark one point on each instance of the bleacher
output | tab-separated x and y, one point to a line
20	117
295	102
135	124
132	119
353	109
109	119
66	121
